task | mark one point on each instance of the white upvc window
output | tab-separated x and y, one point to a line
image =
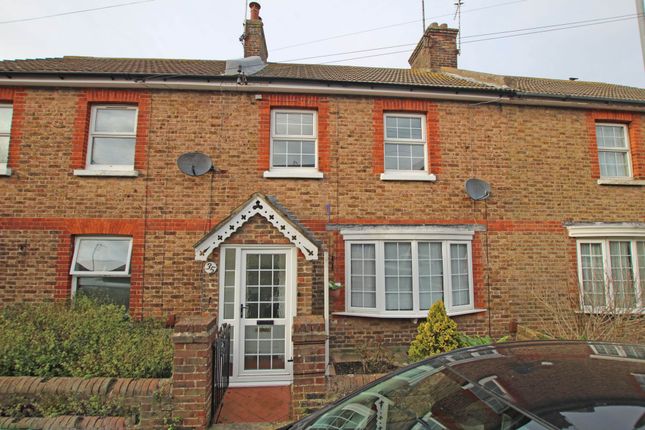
6	113
405	147
611	273
613	150
112	138
294	144
101	268
390	276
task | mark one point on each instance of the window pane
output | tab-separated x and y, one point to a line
459	274
640	249
593	276
404	157
4	149
294	124
610	136
105	289
5	118
430	274
115	120
403	127
113	151
398	276
294	153
101	255
613	164
622	276
363	275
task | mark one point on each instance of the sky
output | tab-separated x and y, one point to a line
209	29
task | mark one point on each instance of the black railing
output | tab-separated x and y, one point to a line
221	366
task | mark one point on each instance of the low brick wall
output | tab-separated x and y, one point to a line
150	396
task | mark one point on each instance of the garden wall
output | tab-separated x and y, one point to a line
139	403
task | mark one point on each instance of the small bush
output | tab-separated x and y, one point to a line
436	335
85	340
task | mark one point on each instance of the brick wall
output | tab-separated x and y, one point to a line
150	397
538	161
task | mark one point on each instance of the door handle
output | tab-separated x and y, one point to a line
242	307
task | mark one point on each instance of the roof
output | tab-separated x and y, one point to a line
447	78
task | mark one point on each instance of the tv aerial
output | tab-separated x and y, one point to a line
195	163
477	189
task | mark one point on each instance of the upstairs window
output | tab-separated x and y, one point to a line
613	150
405	142
112	138
101	268
6	113
294	144
405	148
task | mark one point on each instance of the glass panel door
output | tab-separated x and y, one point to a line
264	313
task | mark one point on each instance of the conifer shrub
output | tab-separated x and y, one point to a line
435	335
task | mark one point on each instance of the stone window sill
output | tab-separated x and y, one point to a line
4	170
408	176
296	174
413	315
629	182
106	173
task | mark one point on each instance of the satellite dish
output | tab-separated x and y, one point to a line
194	163
477	189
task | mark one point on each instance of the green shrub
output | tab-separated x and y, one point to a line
87	339
435	335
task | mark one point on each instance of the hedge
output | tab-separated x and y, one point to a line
85	340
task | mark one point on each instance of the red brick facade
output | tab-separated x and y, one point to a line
539	160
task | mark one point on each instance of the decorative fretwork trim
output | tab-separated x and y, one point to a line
258	205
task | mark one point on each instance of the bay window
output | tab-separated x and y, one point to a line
402	272
611	266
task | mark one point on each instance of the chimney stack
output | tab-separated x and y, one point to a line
437	48
254	42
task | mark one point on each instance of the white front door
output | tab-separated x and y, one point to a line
256	290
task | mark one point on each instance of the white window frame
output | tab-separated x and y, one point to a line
125	273
4	169
379	236
606	261
625	150
407	175
293	172
92	134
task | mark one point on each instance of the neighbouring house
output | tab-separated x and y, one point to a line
322	175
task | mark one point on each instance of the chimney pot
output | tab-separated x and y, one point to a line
443	26
255	10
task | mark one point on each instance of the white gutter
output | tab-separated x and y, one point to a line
326	281
451	94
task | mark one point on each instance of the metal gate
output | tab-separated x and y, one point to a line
221	368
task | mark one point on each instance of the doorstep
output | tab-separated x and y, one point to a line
266	405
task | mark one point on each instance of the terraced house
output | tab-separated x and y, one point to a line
350	176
